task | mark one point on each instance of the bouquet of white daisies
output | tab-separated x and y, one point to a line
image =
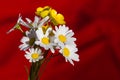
45	34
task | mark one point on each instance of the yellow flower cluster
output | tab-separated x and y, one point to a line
56	18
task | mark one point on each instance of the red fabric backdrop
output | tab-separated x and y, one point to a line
96	24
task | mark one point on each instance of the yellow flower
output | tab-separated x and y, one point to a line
43	12
56	18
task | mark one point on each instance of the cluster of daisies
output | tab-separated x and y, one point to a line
47	32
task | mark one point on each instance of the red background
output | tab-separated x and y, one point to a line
96	24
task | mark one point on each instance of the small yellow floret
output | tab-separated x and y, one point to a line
62	38
45	40
35	55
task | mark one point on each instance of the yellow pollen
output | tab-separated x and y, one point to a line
45	40
66	52
62	38
35	55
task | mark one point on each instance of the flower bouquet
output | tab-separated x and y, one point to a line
43	36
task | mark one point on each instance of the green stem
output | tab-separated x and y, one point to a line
44	65
35	67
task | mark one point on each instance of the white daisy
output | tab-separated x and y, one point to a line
17	26
37	22
63	35
22	22
29	24
44	39
33	55
28	40
69	52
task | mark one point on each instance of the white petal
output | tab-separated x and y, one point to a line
41	57
39	51
37	42
71	61
36	20
48	31
27	32
66	60
27	56
23	46
60	50
20	21
52	50
42	22
27	52
39	33
36	50
61	44
56	41
68	31
54	32
70	34
32	50
24	39
30	60
28	20
75	57
56	28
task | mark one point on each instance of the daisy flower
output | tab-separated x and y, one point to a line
29	24
44	39
33	55
17	26
69	52
28	40
63	35
37	22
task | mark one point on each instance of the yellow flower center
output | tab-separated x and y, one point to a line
45	40
62	38
66	52
35	55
